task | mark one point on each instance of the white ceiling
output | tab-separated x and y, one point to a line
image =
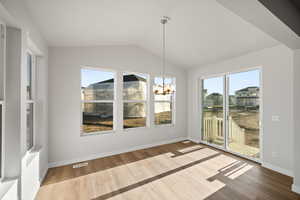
201	31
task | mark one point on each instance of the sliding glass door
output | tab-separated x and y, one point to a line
213	111
231	112
243	113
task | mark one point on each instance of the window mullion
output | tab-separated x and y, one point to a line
97	101
118	119
151	102
135	101
163	101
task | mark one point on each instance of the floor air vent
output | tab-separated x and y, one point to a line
79	165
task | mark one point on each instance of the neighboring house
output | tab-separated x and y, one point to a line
232	100
135	88
248	96
213	99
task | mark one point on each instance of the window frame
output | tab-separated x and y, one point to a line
2	95
2	111
146	101
113	101
225	74
172	101
32	100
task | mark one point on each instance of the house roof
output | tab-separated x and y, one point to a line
247	88
126	78
215	94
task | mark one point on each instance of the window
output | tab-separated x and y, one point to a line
97	97
134	100
164	104
30	103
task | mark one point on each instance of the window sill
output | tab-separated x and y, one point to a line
125	130
97	133
6	186
164	125
134	129
30	155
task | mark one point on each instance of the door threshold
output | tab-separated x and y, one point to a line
258	161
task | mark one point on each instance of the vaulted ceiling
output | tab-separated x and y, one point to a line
288	11
200	31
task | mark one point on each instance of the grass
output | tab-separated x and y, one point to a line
95	124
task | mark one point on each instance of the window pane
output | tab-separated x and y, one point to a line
243	123
158	88
213	111
97	85
29	111
29	77
134	87
163	113
97	117
134	115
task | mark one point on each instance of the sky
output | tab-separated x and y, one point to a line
89	76
237	81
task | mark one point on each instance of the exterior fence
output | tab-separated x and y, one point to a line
213	130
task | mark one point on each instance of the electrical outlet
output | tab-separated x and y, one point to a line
274	154
275	118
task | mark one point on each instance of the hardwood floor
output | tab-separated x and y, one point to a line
179	171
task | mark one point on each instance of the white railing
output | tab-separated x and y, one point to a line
213	130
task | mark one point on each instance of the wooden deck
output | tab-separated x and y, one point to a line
179	171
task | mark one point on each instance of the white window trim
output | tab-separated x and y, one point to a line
32	100
118	103
2	104
2	95
82	133
172	101
146	102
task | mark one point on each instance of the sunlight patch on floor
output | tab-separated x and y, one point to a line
157	177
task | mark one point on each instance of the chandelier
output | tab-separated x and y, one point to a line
165	89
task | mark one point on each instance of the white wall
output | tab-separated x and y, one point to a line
65	143
11	139
14	13
277	82
296	185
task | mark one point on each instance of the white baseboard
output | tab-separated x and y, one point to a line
44	173
105	154
278	169
194	140
296	188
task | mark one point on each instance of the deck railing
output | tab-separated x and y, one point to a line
213	130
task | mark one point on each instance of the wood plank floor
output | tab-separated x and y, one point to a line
179	171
